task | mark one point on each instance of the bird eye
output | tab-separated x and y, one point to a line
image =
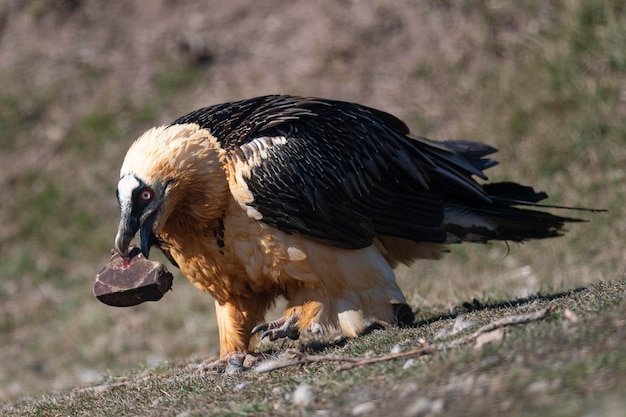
146	195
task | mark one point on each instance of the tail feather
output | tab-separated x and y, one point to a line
493	211
510	193
459	155
477	222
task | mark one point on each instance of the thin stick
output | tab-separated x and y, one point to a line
435	347
506	321
299	358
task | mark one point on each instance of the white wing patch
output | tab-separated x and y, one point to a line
255	152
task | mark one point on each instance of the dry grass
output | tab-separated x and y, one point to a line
570	364
542	81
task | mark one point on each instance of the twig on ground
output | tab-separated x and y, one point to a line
109	386
504	322
427	349
299	358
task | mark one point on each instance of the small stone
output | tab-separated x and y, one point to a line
303	395
424	406
543	386
250	360
571	316
419	408
364	409
128	282
461	324
410	362
538	387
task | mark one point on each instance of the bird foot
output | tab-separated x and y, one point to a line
277	329
237	362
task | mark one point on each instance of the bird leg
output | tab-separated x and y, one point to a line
235	321
289	325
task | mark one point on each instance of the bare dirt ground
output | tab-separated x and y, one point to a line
80	79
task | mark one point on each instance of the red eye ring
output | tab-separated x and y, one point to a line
146	195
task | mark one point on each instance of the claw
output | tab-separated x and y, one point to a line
283	327
259	327
265	327
274	334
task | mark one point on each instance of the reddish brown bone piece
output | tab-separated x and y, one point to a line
128	282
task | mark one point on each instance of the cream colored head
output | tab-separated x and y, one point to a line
168	171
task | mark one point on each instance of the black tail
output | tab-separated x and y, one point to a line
501	220
481	212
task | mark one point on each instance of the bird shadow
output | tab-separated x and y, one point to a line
315	346
476	305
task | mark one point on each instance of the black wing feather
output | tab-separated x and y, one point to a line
346	173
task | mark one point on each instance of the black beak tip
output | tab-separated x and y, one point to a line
146	235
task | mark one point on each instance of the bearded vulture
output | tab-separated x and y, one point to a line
314	200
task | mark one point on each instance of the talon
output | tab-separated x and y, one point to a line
283	327
267	327
269	333
258	328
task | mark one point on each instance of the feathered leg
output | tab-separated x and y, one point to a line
235	321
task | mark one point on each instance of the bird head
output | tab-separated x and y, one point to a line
170	171
141	203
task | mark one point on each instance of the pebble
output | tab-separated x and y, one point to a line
571	316
424	406
408	363
303	395
459	325
366	408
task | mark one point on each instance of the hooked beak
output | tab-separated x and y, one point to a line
129	226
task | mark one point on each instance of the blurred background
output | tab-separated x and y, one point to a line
544	82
